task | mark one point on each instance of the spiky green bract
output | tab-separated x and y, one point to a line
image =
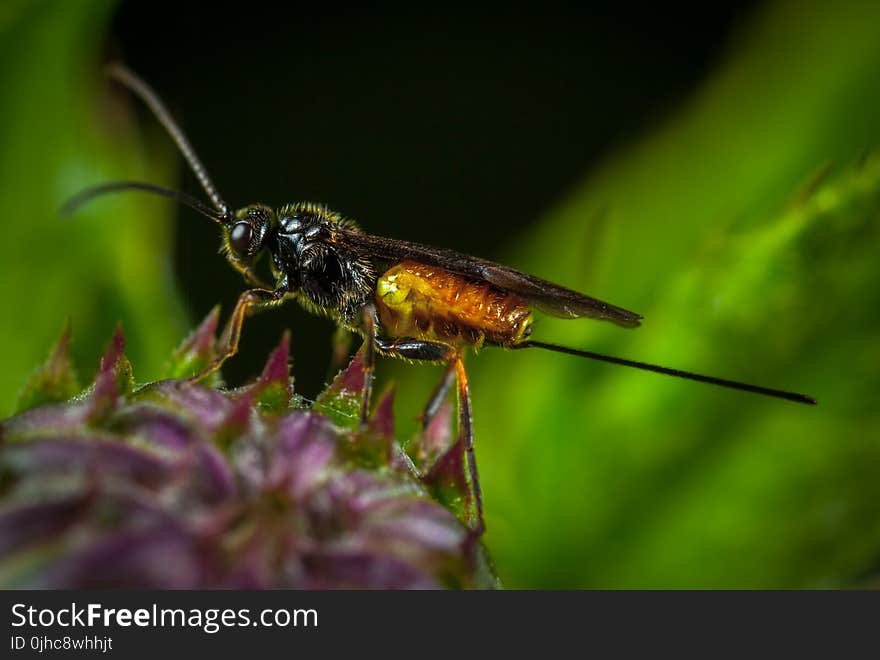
54	381
174	484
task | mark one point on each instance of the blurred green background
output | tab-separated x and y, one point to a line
714	171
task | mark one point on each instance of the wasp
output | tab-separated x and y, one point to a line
406	300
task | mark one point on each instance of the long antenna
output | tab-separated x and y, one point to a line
148	96
71	205
678	373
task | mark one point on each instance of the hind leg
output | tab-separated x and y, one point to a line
412	349
438	395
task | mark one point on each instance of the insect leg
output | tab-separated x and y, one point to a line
249	303
466	433
438	395
247	274
413	349
369	363
416	349
409	349
340	351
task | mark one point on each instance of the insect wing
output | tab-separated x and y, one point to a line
557	300
545	296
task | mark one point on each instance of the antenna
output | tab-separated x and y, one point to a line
678	373
71	205
148	96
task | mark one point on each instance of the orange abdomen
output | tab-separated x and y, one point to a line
433	304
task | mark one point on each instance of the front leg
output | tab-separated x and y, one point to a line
249	276
248	304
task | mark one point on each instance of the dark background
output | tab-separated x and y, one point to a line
455	127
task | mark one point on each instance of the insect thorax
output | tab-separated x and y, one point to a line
329	278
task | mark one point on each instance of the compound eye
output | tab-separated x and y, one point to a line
240	238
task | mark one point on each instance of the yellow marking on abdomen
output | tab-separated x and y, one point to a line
434	304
